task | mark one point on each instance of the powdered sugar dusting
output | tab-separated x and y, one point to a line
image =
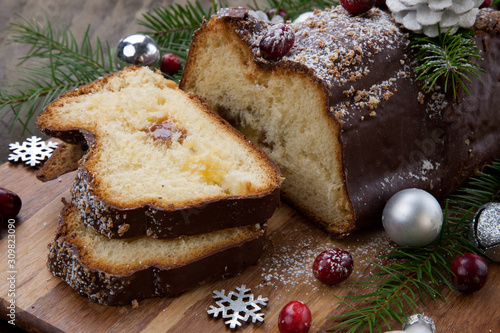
342	50
339	46
289	265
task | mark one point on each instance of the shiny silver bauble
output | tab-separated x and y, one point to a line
412	217
138	49
485	230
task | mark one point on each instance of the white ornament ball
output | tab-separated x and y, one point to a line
412	217
418	323
303	17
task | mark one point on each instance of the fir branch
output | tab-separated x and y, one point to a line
419	273
172	26
176	18
447	57
55	63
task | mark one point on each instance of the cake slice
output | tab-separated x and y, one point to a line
159	162
63	160
116	272
342	113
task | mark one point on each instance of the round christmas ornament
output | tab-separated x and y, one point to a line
424	16
138	49
417	324
485	230
412	217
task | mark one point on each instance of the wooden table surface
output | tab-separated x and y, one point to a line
283	274
46	304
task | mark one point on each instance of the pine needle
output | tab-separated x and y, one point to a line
449	58
176	23
55	63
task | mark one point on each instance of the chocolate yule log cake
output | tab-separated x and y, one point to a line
342	113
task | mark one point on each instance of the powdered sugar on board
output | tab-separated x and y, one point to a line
288	264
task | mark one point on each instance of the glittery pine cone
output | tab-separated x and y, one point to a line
423	16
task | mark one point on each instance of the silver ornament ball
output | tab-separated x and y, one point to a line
418	323
485	230
412	217
138	49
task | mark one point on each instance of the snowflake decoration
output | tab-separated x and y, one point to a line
237	306
32	151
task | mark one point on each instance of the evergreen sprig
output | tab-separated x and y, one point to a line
57	63
172	26
418	274
447	57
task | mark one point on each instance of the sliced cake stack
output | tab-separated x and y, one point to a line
166	196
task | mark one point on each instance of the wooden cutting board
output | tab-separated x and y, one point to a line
46	304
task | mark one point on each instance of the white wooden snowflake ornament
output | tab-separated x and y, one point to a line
237	306
33	151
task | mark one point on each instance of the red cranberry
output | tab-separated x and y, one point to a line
470	272
170	64
10	204
333	266
277	41
357	6
486	4
281	12
295	317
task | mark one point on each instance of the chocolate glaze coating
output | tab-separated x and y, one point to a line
152	281
393	134
162	223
